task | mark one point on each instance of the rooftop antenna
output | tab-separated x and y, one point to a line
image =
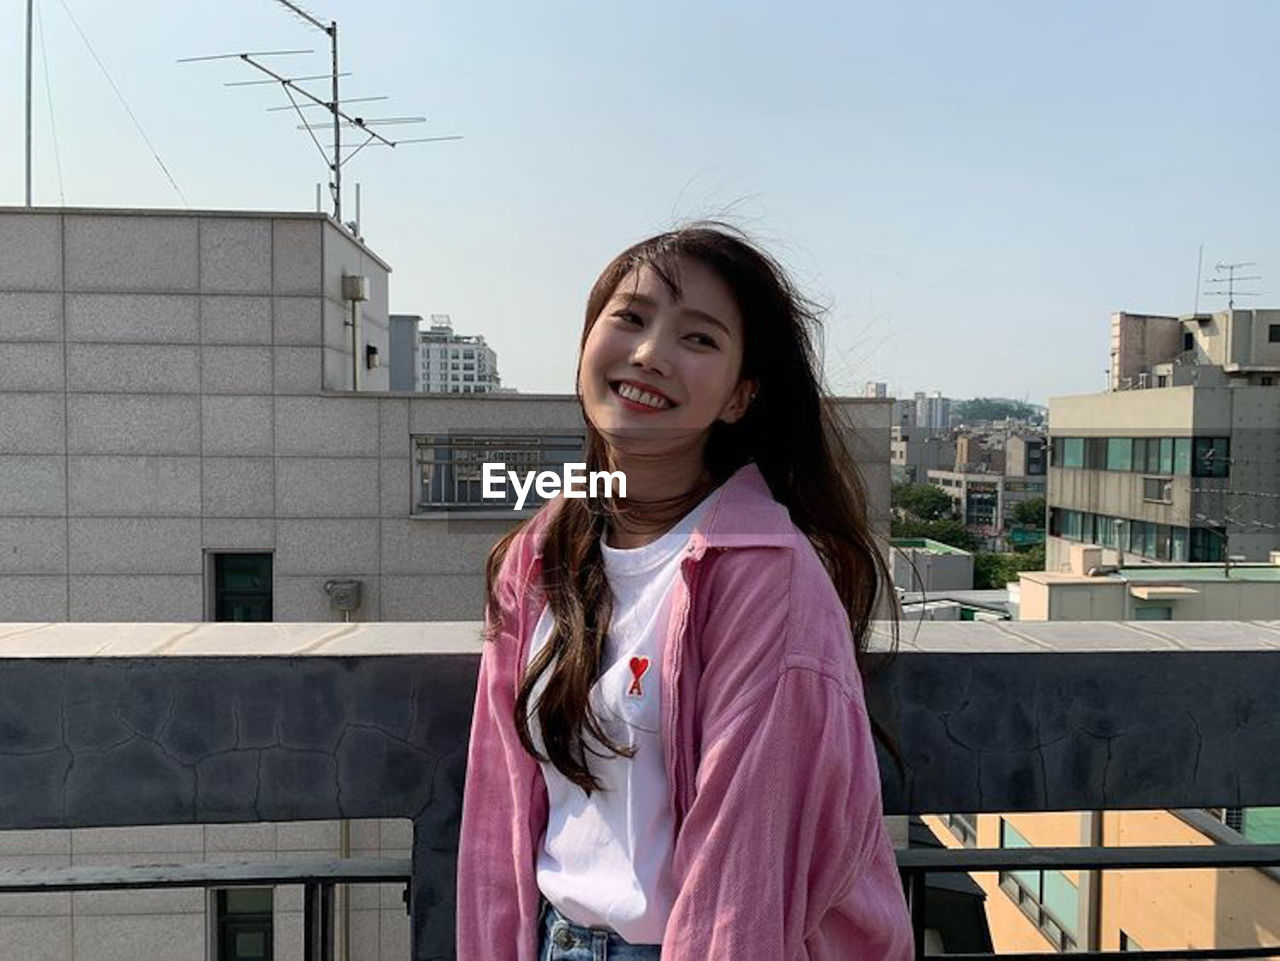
1230	280
334	158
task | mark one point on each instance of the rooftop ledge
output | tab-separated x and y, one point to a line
292	639
138	724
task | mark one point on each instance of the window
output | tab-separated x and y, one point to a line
1049	898
1210	457
1072	452
243	924
450	468
241	587
964	827
1273	333
1188	340
1119	453
1178	544
1153	612
1182	455
1207	544
1157	489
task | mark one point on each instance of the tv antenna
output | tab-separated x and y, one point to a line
333	153
1230	280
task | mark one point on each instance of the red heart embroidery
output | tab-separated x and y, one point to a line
639	667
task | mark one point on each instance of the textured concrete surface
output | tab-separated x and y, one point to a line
112	724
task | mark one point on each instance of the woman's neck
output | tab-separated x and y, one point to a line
655	480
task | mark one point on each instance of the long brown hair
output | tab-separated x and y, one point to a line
796	437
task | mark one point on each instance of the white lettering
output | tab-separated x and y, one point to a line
521	492
575	474
608	478
548	484
493	475
573	481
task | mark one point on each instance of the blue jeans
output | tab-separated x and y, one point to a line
562	940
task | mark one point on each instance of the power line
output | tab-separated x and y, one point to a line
124	103
48	91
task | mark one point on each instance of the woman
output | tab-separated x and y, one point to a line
698	639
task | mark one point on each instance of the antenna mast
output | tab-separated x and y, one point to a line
333	106
29	4
1230	281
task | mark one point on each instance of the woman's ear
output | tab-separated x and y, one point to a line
739	401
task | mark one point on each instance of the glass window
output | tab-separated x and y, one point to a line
1119	453
1166	455
1209	457
1157	489
1206	544
1153	455
1162	542
1140	453
1095	453
1073	452
1010	838
1273	333
1182	455
1107	531
244	924
1178	544
1062	900
1153	612
242	587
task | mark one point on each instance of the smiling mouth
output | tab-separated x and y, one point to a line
639	396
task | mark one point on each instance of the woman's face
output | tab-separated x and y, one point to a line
656	367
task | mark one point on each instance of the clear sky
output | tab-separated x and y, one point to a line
971	187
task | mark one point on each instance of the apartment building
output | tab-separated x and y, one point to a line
454	363
1179	460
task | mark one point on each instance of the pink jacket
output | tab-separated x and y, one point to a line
781	852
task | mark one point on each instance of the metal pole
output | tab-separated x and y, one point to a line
337	129
29	11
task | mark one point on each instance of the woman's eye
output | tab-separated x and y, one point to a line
704	340
627	316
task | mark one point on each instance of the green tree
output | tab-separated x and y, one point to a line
927	502
994	571
948	532
1030	512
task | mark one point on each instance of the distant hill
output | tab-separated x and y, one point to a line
993	408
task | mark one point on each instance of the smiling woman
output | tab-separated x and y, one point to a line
700	640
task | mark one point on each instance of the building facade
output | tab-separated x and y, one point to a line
454	363
1180	462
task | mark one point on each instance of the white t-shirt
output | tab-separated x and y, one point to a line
606	860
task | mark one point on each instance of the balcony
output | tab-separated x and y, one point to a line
107	725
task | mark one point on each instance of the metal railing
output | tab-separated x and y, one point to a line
989	718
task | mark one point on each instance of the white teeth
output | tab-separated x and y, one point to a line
642	397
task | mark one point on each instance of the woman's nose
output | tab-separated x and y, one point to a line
648	351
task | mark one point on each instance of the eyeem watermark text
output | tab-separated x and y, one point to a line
573	480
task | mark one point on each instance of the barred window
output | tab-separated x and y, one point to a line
450	468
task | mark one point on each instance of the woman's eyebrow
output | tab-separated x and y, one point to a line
645	301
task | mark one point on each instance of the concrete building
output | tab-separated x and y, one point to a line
927	566
196	425
876	389
1180	460
914	451
454	363
985	502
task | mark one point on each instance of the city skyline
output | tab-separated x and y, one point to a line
961	189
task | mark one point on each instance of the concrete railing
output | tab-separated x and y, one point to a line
148	724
